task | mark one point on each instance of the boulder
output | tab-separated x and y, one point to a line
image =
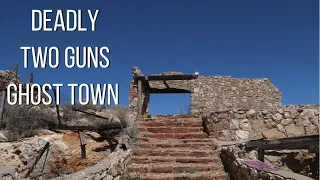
234	125
241	112
251	111
308	112
224	134
277	117
294	131
265	112
312	129
280	111
240	116
294	114
306	123
3	137
245	125
281	128
109	177
286	122
301	121
315	121
242	135
252	155
7	172
272	134
287	115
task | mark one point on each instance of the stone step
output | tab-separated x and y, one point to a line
170	129
174	152
159	118
170	123
174	136
184	176
209	175
209	145
174	168
179	159
146	139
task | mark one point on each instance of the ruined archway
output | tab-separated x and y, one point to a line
166	83
208	93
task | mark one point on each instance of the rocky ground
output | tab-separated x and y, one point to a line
63	157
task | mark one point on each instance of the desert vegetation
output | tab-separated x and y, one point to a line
22	121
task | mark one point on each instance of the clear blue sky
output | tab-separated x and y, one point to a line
276	39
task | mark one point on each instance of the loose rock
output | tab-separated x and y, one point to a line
277	117
272	134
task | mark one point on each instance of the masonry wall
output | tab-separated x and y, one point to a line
286	121
215	93
218	93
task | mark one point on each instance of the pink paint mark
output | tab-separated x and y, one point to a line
133	95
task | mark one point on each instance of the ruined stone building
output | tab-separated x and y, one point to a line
210	93
233	109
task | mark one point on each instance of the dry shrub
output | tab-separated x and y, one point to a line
22	121
126	119
25	120
122	113
89	106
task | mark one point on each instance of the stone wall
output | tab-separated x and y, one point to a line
211	93
214	93
286	121
232	155
133	94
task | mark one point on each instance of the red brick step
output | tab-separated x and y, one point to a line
143	144
174	136
183	176
170	123
170	129
146	139
174	168
173	152
180	159
173	149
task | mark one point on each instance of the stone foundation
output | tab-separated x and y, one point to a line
287	121
239	171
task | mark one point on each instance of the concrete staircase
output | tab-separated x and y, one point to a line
174	149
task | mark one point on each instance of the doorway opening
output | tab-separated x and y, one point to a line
170	104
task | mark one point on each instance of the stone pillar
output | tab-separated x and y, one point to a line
133	91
